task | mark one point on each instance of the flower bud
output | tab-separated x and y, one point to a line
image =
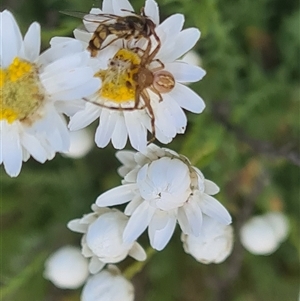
261	235
110	285
81	142
66	268
213	245
102	238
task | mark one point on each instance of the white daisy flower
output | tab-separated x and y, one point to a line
142	91
263	234
102	239
213	245
163	188
34	90
67	268
110	285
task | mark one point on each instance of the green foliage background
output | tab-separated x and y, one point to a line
247	141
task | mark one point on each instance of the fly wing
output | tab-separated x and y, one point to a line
75	14
97	18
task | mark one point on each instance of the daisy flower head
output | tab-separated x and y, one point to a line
162	188
143	90
102	238
34	90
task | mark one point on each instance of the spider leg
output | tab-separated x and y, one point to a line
137	98
145	59
144	94
157	48
137	49
157	93
115	39
114	108
158	68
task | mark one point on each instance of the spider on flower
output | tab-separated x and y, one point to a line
131	68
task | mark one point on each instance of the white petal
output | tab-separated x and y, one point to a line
32	42
126	157
120	135
106	127
119	5
170	28
82	35
85	250
164	120
78	92
145	185
76	226
57	137
152	11
160	237
97	11
141	158
107	7
161	137
177	175
184	72
11	149
194	216
136	131
130	208
95	265
187	98
62	81
66	63
177	113
213	208
183	220
34	147
70	107
129	176
11	39
210	187
154	152
62	49
156	172
192	58
85	117
116	196
137	252
159	220
138	222
185	40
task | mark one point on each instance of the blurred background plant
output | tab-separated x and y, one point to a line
247	141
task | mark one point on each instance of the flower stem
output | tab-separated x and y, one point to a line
137	266
27	273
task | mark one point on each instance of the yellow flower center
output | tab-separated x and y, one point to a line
118	84
20	91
